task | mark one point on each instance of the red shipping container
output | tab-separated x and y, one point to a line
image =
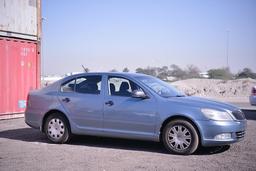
19	73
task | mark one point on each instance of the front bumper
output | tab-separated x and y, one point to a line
209	130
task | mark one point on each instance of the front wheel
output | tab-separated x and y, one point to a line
180	137
57	128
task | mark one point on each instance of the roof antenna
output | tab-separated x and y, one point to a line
85	69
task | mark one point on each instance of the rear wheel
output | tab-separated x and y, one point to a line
57	128
180	137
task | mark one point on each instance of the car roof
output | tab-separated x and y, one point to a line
109	73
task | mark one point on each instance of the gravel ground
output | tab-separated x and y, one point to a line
24	148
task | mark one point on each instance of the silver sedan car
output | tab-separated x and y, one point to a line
135	106
252	97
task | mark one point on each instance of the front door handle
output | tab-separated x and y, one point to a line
109	103
66	100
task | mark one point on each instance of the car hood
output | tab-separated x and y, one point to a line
203	103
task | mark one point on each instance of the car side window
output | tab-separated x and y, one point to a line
86	85
118	86
69	86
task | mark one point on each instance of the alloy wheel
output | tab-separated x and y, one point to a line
179	137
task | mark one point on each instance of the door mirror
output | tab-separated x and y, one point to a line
139	94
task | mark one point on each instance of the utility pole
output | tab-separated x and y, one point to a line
227	49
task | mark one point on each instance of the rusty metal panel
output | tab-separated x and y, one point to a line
19	18
19	63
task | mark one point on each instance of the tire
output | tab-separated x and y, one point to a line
180	137
57	128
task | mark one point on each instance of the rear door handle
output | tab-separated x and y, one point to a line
66	100
109	103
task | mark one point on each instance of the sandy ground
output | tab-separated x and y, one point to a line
24	148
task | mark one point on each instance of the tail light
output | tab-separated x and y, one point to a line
254	91
27	102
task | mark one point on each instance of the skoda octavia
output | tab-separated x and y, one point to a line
133	106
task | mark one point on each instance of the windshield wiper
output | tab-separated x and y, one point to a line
180	95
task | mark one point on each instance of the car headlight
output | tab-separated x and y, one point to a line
216	115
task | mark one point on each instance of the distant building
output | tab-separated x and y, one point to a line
49	79
46	80
171	78
73	73
204	74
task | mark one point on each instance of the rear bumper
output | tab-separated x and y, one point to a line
32	125
210	129
31	120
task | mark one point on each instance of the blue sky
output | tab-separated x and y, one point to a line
107	34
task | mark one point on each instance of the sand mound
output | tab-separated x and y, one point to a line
216	88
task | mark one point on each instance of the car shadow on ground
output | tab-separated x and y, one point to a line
32	135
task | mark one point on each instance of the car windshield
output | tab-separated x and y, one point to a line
160	87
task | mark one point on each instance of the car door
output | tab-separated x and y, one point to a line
125	115
82	98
